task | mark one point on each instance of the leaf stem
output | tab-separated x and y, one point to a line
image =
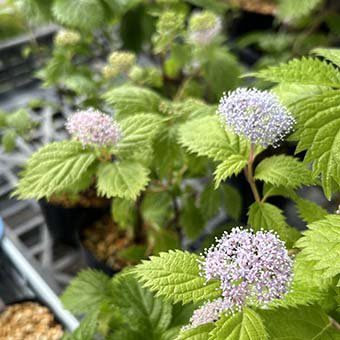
250	175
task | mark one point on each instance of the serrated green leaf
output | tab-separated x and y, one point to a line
82	14
194	108
138	133
318	120
321	243
269	217
233	165
304	323
309	211
283	170
200	332
54	168
331	54
146	315
305	71
87	292
128	100
290	93
245	325
175	276
124	179
290	9
206	137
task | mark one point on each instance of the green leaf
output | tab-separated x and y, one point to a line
206	137
318	122
221	71
156	208
128	100
86	329
138	132
200	332
191	219
290	9
19	120
245	325
83	14
124	179
167	151
304	323
123	212
146	315
269	217
210	201
35	10
175	275
164	239
321	243
87	292
309	211
290	93
8	140
232	201
54	168
331	54
194	108
283	170
233	165
305	71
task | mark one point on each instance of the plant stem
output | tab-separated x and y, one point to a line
249	173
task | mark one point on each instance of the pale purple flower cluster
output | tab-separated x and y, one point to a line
257	115
92	127
253	268
209	312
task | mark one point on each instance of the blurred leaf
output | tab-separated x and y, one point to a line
8	140
232	201
221	71
191	219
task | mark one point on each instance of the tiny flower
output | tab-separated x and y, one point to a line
92	127
67	37
253	268
204	27
257	115
121	61
209	312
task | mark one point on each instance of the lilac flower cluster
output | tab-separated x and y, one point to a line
253	268
209	312
257	115
92	127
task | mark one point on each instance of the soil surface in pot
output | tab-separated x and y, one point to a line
84	199
106	241
29	321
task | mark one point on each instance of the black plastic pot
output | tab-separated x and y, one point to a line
93	262
64	223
